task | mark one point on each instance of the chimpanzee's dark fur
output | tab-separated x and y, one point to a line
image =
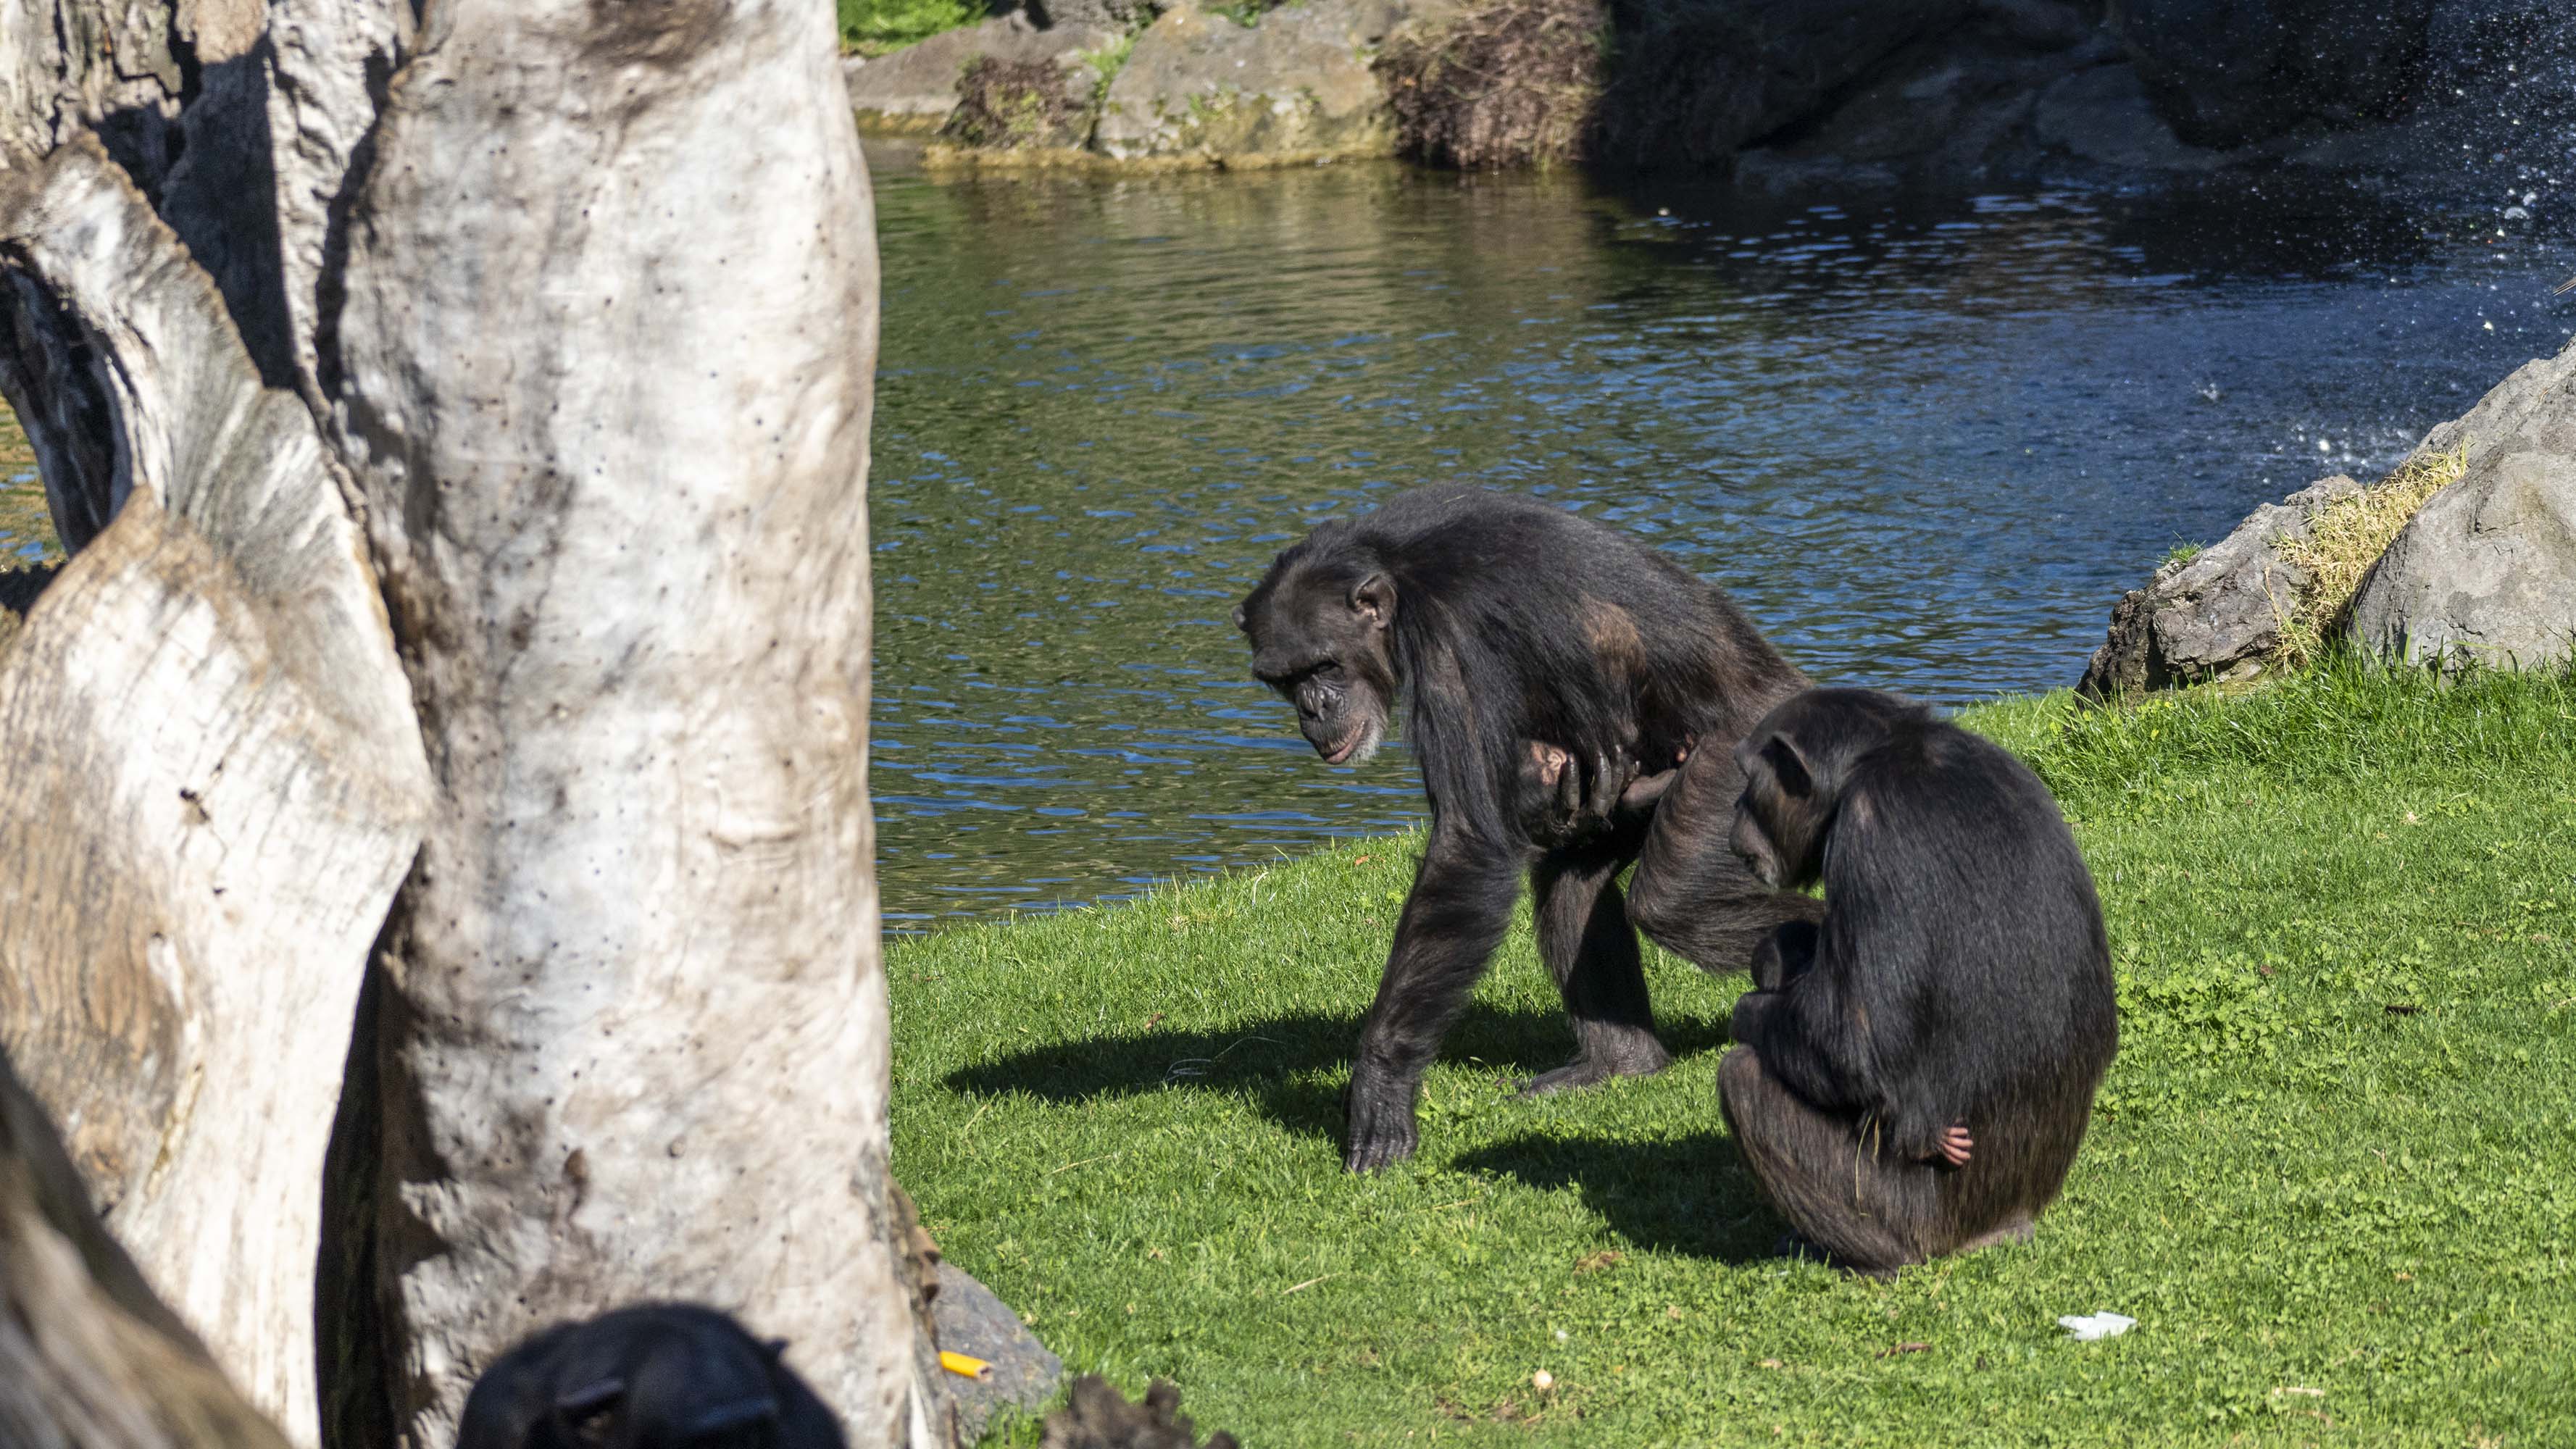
1960	976
655	1376
1512	621
1097	1416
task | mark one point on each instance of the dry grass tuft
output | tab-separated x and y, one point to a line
2345	538
1509	83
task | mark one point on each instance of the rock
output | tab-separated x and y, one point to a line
2225	73
2500	102
2486	571
1120	16
1296	86
971	1321
2102	115
1012	105
1956	108
915	88
1099	1417
1698	79
2217	614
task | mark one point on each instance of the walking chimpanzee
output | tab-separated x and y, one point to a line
1516	623
1916	1075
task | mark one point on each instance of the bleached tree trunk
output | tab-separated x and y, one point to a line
603	372
89	1357
462	422
210	777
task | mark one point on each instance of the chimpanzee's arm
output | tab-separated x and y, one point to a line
1812	1036
1461	901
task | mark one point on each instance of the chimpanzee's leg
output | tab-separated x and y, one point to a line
1461	903
1871	1213
1690	893
1591	951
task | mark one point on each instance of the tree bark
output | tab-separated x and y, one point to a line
460	421
603	372
210	777
89	1358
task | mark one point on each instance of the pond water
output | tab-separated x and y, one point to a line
1925	445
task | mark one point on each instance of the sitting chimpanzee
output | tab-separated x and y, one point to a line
1513	621
656	1376
1916	1075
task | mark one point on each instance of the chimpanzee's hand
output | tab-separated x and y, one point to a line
1644	790
1379	1109
1954	1146
1788	951
1746	1024
1566	799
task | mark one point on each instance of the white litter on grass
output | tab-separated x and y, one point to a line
2099	1325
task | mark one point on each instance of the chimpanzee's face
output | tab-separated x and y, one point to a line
1780	818
1324	647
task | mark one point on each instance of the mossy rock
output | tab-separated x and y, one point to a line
1297	84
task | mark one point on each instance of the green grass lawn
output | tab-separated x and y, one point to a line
2332	1175
873	27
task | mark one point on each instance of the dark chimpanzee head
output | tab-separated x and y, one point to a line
1795	763
1321	624
657	1376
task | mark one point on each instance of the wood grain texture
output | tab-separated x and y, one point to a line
210	784
89	1357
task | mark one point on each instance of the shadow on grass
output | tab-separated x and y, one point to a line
1688	1195
1276	1061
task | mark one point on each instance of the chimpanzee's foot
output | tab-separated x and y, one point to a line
1635	1054
1379	1113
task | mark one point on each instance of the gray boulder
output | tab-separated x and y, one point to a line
971	1321
1956	107
2486	571
1296	86
2229	72
914	89
1118	15
2103	115
2217	614
1699	79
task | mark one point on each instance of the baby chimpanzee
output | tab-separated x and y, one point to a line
1916	1073
656	1376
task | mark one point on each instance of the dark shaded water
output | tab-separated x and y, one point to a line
1925	446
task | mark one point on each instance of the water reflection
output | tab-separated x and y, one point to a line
1924	446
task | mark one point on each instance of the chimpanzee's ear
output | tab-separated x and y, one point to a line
585	1412
1788	767
1241	618
1373	599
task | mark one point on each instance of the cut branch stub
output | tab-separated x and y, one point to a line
210	783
